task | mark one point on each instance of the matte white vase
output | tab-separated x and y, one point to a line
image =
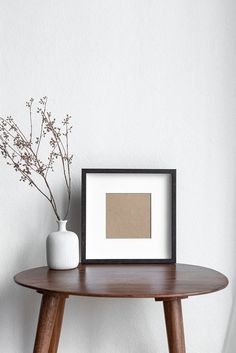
62	248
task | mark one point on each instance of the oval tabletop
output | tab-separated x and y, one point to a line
126	281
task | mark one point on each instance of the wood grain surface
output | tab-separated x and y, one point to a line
46	322
126	281
174	326
57	326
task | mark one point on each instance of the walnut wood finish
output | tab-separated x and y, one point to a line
47	317
167	283
126	281
57	326
174	326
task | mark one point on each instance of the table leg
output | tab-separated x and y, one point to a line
47	316
174	325
57	326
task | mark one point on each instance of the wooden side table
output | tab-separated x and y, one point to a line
166	283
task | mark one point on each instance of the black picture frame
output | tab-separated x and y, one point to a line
170	260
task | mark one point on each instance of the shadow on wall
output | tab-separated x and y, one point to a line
19	311
230	340
107	325
74	223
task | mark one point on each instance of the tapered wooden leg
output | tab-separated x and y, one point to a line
47	317
57	326
174	326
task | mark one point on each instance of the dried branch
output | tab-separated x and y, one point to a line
23	153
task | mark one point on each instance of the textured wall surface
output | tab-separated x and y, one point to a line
150	84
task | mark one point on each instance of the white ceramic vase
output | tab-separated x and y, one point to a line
62	248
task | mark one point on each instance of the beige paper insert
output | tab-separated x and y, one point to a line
128	215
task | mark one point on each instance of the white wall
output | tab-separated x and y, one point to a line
150	84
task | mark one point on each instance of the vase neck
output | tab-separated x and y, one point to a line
61	226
